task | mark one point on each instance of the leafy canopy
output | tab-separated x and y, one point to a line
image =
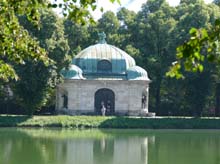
15	42
203	44
203	39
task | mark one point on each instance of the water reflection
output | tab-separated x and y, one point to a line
51	146
103	151
119	151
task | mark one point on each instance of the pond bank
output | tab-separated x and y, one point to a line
109	122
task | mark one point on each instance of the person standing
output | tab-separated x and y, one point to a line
103	109
108	107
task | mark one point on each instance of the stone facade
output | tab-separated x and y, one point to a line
81	96
103	80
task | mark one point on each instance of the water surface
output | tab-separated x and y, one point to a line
56	146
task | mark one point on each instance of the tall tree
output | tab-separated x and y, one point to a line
50	35
20	50
14	39
109	23
36	83
155	39
77	35
202	38
194	92
128	31
15	43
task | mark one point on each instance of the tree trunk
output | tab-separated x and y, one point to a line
158	97
217	101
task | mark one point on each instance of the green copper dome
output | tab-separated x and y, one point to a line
137	73
103	58
104	61
74	72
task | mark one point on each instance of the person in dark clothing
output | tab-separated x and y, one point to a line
108	107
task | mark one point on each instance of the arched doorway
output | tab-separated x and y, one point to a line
108	97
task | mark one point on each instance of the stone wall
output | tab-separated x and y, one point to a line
81	95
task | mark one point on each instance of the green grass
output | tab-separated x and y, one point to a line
109	122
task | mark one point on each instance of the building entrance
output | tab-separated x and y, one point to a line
105	98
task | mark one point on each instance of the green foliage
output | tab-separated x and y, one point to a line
156	24
110	24
15	43
175	71
199	85
36	47
32	90
78	10
77	36
35	86
202	44
190	52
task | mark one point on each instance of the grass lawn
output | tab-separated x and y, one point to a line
109	122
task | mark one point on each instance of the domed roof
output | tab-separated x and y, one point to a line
104	61
103	57
137	73
89	58
74	72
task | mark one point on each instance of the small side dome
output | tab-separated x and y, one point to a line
74	72
137	73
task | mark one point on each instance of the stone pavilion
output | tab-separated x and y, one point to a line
103	76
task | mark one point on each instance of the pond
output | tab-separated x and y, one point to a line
67	146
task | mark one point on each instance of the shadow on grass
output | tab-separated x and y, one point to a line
161	123
12	120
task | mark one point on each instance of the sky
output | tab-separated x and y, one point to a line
134	5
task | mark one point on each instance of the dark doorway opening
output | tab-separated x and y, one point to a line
107	97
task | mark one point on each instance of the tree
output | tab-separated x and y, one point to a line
20	51
16	44
202	41
109	23
128	33
77	35
36	83
202	46
50	36
197	91
154	42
